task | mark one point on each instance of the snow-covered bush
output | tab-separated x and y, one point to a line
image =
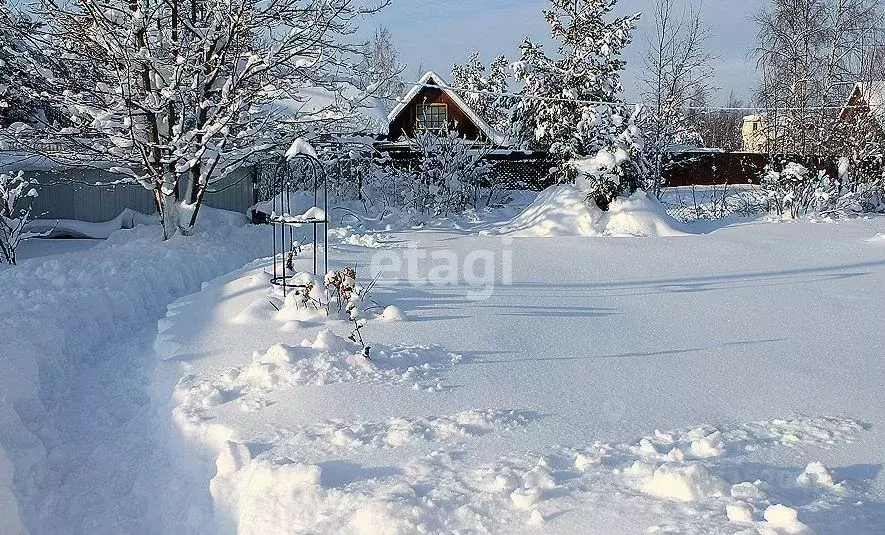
862	166
796	190
449	175
16	194
565	110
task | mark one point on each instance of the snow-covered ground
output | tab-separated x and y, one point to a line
719	382
698	383
37	248
82	449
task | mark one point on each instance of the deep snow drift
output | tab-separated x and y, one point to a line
76	425
564	211
613	386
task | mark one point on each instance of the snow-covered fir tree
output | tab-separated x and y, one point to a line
571	102
486	92
191	90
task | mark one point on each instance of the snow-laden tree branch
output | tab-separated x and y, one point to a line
16	194
22	71
172	90
486	94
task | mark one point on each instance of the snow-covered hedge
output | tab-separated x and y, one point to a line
16	194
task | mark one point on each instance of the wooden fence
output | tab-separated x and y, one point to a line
716	168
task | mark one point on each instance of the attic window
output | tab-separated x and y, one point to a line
433	116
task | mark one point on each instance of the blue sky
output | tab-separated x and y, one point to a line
440	32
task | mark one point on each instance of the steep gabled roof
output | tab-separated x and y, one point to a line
430	78
872	95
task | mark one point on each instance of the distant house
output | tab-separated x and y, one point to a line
753	133
431	105
867	100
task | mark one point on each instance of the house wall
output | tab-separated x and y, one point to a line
753	134
407	120
857	111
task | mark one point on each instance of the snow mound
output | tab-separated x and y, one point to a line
558	211
564	211
739	512
671	481
640	215
369	240
400	431
816	475
258	311
392	314
782	520
56	228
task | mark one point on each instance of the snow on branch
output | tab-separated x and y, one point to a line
173	90
16	195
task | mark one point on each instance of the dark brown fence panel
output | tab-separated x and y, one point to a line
715	168
531	174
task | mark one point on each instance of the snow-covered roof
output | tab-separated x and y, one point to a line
873	94
430	78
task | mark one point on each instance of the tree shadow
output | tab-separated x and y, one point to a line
552	311
635	354
729	281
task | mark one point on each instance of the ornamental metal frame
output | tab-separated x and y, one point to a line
284	224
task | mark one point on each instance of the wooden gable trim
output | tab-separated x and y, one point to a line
432	89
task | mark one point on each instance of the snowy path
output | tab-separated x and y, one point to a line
108	464
82	447
756	350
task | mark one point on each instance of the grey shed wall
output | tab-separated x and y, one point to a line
79	194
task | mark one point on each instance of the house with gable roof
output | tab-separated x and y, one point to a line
432	105
867	100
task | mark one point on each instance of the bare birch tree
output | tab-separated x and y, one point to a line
677	70
811	53
381	72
